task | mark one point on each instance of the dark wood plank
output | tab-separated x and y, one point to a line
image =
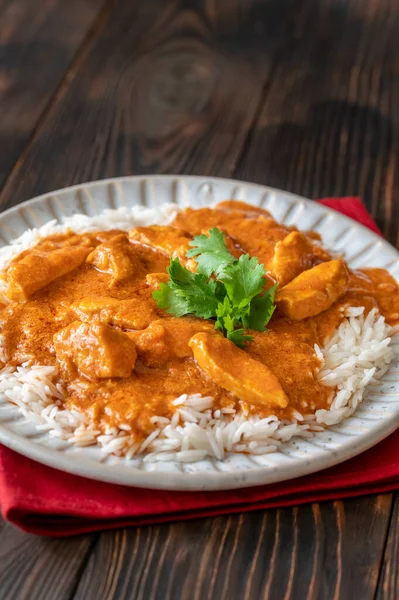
327	127
329	124
168	87
34	568
308	552
388	588
37	44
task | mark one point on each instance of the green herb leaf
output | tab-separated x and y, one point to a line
211	253
171	300
243	279
239	338
229	316
229	290
261	310
188	293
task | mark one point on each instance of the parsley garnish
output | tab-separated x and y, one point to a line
225	288
187	293
211	253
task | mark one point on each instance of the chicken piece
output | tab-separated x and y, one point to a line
235	371
36	270
135	313
167	339
155	279
313	235
106	236
313	291
62	240
116	257
96	350
247	210
168	240
294	254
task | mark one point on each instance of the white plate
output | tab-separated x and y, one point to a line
377	417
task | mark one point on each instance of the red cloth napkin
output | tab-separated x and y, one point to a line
353	208
45	501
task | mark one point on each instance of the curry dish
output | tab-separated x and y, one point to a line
84	304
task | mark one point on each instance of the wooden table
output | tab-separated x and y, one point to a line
298	94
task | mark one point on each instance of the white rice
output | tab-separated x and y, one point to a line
356	357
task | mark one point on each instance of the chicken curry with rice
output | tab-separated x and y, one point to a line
85	304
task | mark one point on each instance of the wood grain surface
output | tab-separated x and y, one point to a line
38	42
329	124
34	568
157	92
389	580
290	553
299	94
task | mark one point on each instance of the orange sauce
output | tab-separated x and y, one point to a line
165	367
